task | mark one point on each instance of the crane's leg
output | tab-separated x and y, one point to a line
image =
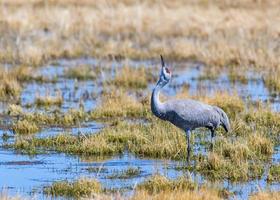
188	135
213	134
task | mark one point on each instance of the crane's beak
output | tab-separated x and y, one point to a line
162	61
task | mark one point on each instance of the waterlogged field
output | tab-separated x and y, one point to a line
75	85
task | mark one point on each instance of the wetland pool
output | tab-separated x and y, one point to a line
27	175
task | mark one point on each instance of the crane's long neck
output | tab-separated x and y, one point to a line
156	105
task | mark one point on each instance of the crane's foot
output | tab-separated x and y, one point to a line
211	147
188	156
213	134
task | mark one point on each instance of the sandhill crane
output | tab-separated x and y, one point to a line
186	114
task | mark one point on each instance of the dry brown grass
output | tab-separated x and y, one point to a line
266	196
82	72
25	127
49	100
10	88
14	110
178	195
131	77
215	32
119	104
82	187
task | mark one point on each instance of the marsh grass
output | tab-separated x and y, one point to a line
119	104
32	122
263	117
130	172
151	140
82	187
247	152
202	194
274	173
160	187
209	73
48	100
71	117
82	72
155	187
158	183
131	77
266	195
250	142
219	38
100	169
237	74
10	89
271	80
25	127
14	110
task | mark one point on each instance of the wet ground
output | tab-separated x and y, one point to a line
25	175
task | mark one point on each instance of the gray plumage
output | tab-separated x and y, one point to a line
186	114
190	114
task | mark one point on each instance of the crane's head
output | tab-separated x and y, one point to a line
165	74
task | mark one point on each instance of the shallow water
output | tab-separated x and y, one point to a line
28	175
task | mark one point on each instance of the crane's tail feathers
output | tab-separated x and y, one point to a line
224	119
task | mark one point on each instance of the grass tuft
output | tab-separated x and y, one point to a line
159	183
49	100
119	104
83	187
9	89
14	110
130	172
81	72
131	77
25	127
274	174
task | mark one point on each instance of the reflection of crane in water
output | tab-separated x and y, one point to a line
186	114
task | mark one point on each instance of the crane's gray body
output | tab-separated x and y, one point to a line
189	114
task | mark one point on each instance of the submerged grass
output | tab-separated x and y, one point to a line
83	187
82	72
271	80
129	77
130	172
49	100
